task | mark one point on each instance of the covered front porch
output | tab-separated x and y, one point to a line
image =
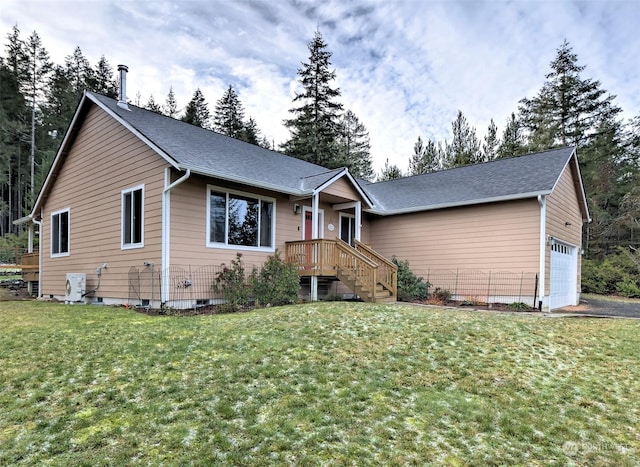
369	275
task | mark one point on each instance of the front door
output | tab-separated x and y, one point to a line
307	229
347	228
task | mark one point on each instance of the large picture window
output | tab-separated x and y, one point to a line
60	233
133	217
239	220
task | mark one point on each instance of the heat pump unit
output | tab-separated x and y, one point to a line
75	287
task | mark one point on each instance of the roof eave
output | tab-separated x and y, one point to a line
245	181
434	207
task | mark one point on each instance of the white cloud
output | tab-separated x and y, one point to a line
404	67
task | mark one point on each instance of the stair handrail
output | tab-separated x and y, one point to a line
363	268
388	276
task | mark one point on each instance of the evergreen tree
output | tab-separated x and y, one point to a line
426	158
78	71
197	111
465	147
102	80
228	117
315	127
153	106
171	106
250	132
355	146
513	142
38	68
568	109
389	172
491	143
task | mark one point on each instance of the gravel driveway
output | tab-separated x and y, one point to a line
604	307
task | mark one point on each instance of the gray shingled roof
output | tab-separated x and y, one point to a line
216	155
210	153
504	179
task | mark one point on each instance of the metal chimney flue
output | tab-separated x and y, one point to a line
122	94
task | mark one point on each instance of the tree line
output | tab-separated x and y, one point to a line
38	98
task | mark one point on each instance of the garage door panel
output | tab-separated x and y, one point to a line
563	275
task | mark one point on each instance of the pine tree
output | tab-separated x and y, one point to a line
389	172
153	106
250	132
491	143
465	147
512	142
78	71
228	117
171	106
426	158
568	109
315	128
102	81
197	111
355	147
38	69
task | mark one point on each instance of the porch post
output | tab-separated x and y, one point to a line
314	235
30	244
358	219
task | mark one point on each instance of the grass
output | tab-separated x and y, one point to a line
326	383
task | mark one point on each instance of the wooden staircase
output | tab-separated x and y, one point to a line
367	273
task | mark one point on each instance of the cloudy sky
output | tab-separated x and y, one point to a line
404	67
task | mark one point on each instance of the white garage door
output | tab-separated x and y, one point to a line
564	266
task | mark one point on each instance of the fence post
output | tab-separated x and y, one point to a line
520	291
488	286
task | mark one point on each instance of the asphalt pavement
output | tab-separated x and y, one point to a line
603	307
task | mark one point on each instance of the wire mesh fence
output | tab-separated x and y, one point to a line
483	287
187	287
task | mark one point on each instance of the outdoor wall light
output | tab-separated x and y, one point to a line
296	209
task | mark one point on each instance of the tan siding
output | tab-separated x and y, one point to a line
563	206
342	188
188	225
494	237
104	159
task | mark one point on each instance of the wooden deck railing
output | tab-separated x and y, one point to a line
359	267
387	270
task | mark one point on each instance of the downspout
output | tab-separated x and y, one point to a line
542	201
166	227
39	224
314	235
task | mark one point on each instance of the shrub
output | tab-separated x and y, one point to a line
440	296
616	274
230	283
277	283
410	286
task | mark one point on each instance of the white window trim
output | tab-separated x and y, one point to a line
306	209
131	246
68	252
226	245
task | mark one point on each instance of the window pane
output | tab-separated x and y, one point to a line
55	234
64	232
126	218
266	223
345	229
137	217
243	220
217	217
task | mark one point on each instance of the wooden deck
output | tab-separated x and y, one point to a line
371	276
30	266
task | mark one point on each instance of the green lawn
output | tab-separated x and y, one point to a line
326	383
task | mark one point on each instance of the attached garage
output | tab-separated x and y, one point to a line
564	275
